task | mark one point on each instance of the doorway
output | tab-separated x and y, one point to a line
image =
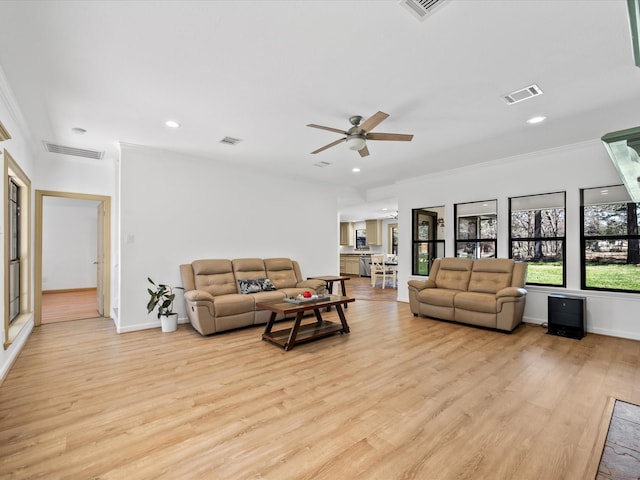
86	263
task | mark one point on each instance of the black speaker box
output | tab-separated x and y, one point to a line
566	317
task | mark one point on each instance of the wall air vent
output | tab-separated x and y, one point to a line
321	164
421	9
522	94
76	152
230	141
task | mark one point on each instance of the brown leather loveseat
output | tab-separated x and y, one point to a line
487	292
221	294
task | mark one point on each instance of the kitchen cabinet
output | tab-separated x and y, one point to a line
374	232
350	264
346	233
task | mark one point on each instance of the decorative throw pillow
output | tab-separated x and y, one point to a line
266	285
249	286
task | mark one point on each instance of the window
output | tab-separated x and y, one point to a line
476	229
392	239
537	236
610	241
14	250
427	238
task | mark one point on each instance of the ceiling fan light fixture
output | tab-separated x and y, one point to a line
356	142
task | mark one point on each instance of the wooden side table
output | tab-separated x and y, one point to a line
330	280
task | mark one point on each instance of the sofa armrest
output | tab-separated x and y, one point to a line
514	292
195	295
314	284
421	284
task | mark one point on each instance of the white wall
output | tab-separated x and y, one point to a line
567	169
175	209
69	243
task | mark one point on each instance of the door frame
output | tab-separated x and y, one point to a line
106	244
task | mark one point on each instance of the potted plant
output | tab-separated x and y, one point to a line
161	297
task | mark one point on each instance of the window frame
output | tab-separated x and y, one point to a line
562	239
12	329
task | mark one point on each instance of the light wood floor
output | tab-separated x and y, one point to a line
400	397
69	305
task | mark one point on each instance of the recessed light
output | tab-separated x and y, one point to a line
604	192
355	169
78	130
172	124
537	119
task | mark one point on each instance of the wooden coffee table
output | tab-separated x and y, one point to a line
298	333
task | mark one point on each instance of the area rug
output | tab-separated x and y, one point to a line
620	457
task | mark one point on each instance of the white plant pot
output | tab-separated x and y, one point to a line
169	322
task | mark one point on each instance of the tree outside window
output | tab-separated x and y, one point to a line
610	240
537	236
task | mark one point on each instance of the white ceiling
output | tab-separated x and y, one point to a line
261	70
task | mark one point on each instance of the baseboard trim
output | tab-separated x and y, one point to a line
71	290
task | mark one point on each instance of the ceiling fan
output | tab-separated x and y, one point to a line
357	136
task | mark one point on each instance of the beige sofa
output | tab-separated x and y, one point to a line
485	292
221	294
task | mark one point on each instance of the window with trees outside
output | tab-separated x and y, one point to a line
476	229
537	236
427	238
14	250
610	242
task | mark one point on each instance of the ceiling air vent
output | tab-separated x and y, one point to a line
421	9
230	140
522	94
321	164
76	152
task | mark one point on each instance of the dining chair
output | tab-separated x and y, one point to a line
380	270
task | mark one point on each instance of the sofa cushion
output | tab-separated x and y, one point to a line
266	285
440	297
233	304
281	272
249	286
214	276
275	296
489	275
476	301
248	268
257	285
454	273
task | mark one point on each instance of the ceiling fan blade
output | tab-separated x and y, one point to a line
313	125
332	144
364	151
400	137
373	121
